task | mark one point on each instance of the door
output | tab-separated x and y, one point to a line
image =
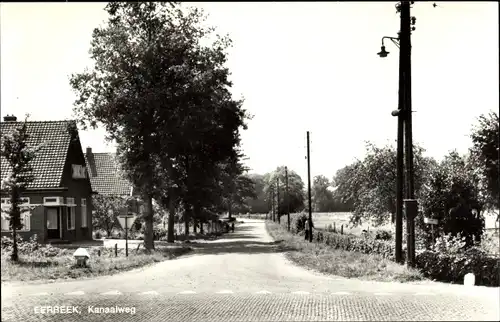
53	223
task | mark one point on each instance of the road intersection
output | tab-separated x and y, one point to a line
243	276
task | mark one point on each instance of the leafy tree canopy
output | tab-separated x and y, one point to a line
370	184
295	189
485	138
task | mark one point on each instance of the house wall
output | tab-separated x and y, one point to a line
78	189
37	219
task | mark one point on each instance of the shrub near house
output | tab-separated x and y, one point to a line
44	262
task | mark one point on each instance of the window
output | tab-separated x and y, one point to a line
5	224
84	213
25	215
71	218
23	200
25	222
70	202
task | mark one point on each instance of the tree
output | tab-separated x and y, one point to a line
452	195
485	153
161	95
106	211
347	184
237	186
370	184
295	189
322	197
18	155
261	203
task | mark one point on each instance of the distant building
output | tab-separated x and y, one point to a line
105	174
61	189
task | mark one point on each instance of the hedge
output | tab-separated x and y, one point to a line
438	266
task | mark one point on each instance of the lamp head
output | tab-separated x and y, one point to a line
383	53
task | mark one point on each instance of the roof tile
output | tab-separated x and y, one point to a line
105	174
54	138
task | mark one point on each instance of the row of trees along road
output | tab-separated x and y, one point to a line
164	97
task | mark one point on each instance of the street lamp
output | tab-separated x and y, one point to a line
403	113
383	53
398	221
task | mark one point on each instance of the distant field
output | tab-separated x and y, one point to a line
324	219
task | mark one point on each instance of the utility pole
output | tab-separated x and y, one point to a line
410	203
278	197
400	146
287	198
309	188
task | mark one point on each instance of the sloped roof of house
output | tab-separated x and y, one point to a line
48	165
105	174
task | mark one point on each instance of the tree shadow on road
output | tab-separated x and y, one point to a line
243	228
238	236
240	247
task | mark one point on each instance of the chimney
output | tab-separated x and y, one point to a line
91	162
9	118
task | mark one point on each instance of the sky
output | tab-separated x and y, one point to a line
301	66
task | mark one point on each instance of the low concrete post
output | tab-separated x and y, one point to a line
469	279
81	255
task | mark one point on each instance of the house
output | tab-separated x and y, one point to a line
61	190
107	178
105	174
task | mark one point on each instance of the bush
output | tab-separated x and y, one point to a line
31	247
383	235
448	261
24	247
159	233
7	242
365	245
453	268
450	244
99	233
298	222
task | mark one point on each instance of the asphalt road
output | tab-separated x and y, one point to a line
242	277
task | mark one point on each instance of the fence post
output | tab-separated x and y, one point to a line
116	250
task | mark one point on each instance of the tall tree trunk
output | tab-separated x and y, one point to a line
148	218
14	256
15	220
201	227
171	217
187	217
196	218
109	231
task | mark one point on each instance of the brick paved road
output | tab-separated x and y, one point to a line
244	277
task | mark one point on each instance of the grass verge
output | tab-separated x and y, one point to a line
60	265
322	258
